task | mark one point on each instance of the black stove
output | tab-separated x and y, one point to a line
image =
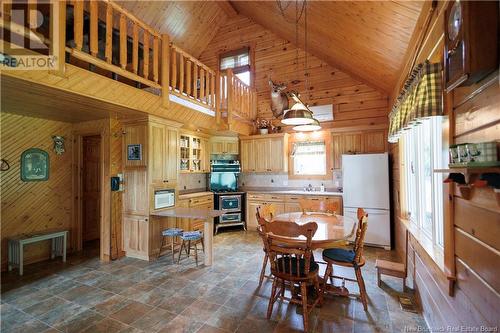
232	203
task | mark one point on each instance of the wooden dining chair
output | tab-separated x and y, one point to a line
292	263
319	206
265	214
349	258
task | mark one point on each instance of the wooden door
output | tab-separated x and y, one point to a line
276	155
91	188
134	147
261	155
336	152
247	156
231	147
171	155
136	236
157	148
375	141
352	143
205	156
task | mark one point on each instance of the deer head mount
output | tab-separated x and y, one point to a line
279	99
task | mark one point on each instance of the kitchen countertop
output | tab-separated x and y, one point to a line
297	192
194	195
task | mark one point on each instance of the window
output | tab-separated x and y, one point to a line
309	158
423	152
239	62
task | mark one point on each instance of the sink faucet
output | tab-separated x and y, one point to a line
309	188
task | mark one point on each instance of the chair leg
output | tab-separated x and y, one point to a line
328	273
263	271
196	252
189	248
318	290
161	245
362	289
172	248
203	244
305	314
378	278
272	298
180	251
282	288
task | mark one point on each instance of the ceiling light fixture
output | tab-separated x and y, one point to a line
298	114
314	126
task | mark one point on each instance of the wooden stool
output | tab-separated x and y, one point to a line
390	268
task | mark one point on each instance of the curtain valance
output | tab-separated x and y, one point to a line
421	97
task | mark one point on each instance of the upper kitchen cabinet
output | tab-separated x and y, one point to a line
375	141
352	143
267	153
194	153
224	145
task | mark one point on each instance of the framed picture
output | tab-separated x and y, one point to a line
134	152
34	165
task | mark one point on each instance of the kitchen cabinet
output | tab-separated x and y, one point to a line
265	153
337	151
194	154
224	145
205	201
352	143
375	141
163	146
136	236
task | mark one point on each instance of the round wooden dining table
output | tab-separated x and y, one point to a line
332	229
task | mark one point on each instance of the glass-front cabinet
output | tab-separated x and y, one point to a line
194	153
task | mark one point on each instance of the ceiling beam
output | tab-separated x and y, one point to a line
228	8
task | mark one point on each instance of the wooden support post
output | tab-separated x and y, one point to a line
145	53
173	76
58	35
156	58
202	84
94	38
135	48
78	24
195	80
165	51
181	73
189	73
218	91
108	52
123	41
212	91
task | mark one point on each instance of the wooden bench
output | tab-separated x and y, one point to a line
16	246
392	269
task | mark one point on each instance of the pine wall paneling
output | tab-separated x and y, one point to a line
474	117
29	207
355	103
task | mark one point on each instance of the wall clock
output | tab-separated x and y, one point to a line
471	41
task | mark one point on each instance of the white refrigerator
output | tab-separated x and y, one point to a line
365	181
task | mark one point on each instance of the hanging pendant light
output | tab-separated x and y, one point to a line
298	115
314	126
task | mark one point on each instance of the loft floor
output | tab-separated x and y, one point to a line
131	295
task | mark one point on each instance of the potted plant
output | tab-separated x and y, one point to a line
262	125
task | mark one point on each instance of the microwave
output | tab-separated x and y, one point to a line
164	199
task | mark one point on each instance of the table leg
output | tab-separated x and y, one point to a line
65	237
21	258
208	240
53	247
10	256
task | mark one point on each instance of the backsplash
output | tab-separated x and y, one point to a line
191	181
281	180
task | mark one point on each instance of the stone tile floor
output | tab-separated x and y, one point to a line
131	295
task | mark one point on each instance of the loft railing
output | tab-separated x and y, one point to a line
114	42
236	99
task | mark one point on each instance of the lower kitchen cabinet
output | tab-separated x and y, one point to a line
136	236
206	201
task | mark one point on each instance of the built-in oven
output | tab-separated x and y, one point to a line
230	218
164	198
230	203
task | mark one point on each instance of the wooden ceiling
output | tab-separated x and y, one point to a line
190	24
367	39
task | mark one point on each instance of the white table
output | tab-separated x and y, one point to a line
197	213
16	246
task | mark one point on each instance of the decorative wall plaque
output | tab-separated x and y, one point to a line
34	165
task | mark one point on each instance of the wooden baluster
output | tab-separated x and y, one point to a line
230	91
165	70
32	15
189	74
195	80
223	91
207	86
108	52
217	100
123	41
212	90
94	38
173	76
145	52
181	73
155	58
202	84
58	35
78	24
135	48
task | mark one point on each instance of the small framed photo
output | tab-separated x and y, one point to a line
134	152
34	165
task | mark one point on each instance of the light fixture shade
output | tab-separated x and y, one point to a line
298	115
314	126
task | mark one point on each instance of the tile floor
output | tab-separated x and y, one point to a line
131	295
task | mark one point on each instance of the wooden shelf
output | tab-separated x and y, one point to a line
466	189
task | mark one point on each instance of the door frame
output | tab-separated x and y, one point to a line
104	221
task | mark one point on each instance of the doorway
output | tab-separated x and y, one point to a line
91	194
